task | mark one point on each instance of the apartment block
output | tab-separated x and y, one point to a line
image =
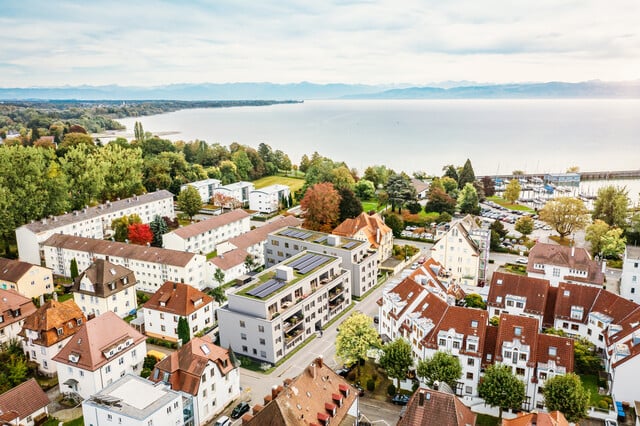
206	188
630	278
269	199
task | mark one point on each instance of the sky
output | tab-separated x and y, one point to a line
151	43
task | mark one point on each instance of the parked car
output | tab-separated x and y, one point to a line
414	265
223	421
400	399
359	389
239	410
522	260
376	319
345	370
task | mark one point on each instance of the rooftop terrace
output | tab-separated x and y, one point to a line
322	238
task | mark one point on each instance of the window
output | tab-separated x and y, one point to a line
470	361
263	342
261	328
574	327
121	360
242	324
519	305
468	390
520	371
456	345
556	272
509	302
107	369
442	342
59	331
552	351
517	331
243	336
245	349
523	357
469	376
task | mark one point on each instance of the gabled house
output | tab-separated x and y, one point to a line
173	301
14	309
369	227
103	350
462	247
432	407
47	330
537	418
25	404
25	278
134	401
517	295
317	396
206	375
421	187
630	278
269	199
104	287
558	263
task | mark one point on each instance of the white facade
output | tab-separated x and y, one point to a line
269	199
152	266
122	303
90	222
165	325
630	278
42	355
356	255
203	237
267	328
138	402
205	188
215	393
239	191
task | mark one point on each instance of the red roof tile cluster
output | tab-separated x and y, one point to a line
432	407
533	289
569	257
106	277
259	234
372	226
22	401
14	307
50	317
554	418
514	327
178	299
12	270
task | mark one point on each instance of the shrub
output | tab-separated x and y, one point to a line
391	389
371	385
415	385
603	404
351	376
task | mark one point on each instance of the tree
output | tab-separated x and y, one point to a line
400	191
512	191
378	175
350	205
524	225
501	388
321	205
249	263
611	206
123	171
138	131
139	233
613	243
594	234
189	201
184	333
397	359
565	215
566	394
85	174
394	222
120	226
440	202
450	171
159	228
218	294
468	202
450	186
585	357
474	300
488	186
342	179
74	268
466	175
356	336
442	367
218	275
365	190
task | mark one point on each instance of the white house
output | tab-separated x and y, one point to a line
239	191
134	401
269	199
517	295
47	330
284	305
357	256
206	188
90	222
207	376
622	360
462	247
104	287
630	278
558	263
173	301
25	278
25	404
203	237
369	227
14	309
152	266
103	350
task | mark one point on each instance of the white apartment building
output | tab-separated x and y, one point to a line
47	330
103	350
152	266
14	309
630	278
284	305
269	199
239	191
463	248
203	237
207	377
90	222
134	401
25	278
558	263
206	188
105	287
357	256
173	301
517	295
622	360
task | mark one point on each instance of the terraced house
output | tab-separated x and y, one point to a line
284	305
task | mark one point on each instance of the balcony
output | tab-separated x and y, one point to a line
293	336
335	293
293	321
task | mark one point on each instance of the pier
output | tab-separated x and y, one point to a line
584	176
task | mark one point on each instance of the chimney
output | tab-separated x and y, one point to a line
319	361
573	250
246	418
41	299
421	399
312	370
274	392
604	266
257	408
267	399
55	296
436	385
378	235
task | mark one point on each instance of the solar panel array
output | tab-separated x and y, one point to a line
267	288
310	264
294	233
321	239
349	244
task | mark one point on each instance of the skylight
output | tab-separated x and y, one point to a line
205	349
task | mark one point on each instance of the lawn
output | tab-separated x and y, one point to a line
367	206
508	205
371	371
590	383
293	183
486	420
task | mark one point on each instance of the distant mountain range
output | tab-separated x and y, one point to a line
305	90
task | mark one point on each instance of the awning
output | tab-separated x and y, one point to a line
70	382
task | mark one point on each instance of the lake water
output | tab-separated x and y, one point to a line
498	136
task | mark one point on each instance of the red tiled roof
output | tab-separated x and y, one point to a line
12	270
51	316
564	350
211	223
462	320
101	273
178	299
490	344
408	291
555	418
427	407
570	257
10	303
534	289
230	259
259	234
370	225
507	333
23	400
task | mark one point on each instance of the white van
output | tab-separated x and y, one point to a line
223	421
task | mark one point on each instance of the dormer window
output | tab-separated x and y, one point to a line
79	321
59	331
553	351
499	299
576	312
16	313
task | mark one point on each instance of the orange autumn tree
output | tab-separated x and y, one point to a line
321	205
140	234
